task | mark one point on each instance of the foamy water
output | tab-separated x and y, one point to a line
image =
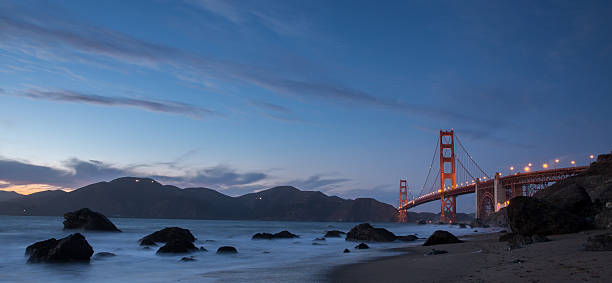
257	260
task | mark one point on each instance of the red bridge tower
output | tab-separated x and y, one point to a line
447	173
403	213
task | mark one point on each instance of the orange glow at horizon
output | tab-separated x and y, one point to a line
31	188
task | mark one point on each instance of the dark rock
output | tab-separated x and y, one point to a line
601	242
437	252
177	246
530	216
503	231
319	239
422	222
279	235
495	219
408	238
515	240
227	250
102	255
365	232
147	242
362	246
333	233
518	261
506	237
462	225
347	251
539	238
441	237
478	223
202	249
168	234
88	220
318	244
188	259
71	248
567	196
603	220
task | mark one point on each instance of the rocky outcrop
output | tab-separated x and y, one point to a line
365	232
496	219
568	196
362	246
440	237
334	234
86	219
71	248
437	252
516	240
168	234
408	238
346	251
529	216
177	246
601	242
102	255
227	250
280	235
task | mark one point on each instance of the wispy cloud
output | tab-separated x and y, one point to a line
150	105
53	33
317	182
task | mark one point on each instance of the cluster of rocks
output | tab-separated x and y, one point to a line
69	249
280	235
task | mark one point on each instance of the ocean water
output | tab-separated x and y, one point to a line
283	260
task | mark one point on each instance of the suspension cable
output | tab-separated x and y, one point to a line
470	156
429	171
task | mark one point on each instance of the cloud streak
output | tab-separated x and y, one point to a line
49	33
150	105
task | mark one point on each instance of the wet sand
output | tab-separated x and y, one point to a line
483	258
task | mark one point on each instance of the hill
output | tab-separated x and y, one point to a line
146	198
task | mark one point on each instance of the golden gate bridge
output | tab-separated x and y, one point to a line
492	193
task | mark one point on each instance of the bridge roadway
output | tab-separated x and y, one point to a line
518	180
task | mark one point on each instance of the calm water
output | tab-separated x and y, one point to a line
260	260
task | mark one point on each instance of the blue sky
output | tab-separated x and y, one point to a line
345	97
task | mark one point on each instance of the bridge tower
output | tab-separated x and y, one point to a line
447	173
403	213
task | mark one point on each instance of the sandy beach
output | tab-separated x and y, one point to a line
483	258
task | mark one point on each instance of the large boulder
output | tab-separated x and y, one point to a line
71	248
530	216
441	237
168	234
280	235
365	232
334	234
601	242
177	246
568	196
496	219
407	238
86	219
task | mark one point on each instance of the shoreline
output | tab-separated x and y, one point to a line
482	258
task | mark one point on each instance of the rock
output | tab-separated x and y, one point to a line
462	225
362	246
568	196
88	220
603	220
496	219
333	233
478	223
408	238
177	246
518	261
102	255
168	234
187	259
365	232
318	244
147	242
503	231
319	239
347	251
441	237
530	216
437	252
422	222
202	249
227	250
515	240
539	238
279	235
601	242
71	248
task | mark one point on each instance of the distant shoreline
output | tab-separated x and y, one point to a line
482	258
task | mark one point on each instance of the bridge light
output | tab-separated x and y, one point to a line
544	165
511	168
557	160
573	162
529	164
526	168
591	156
